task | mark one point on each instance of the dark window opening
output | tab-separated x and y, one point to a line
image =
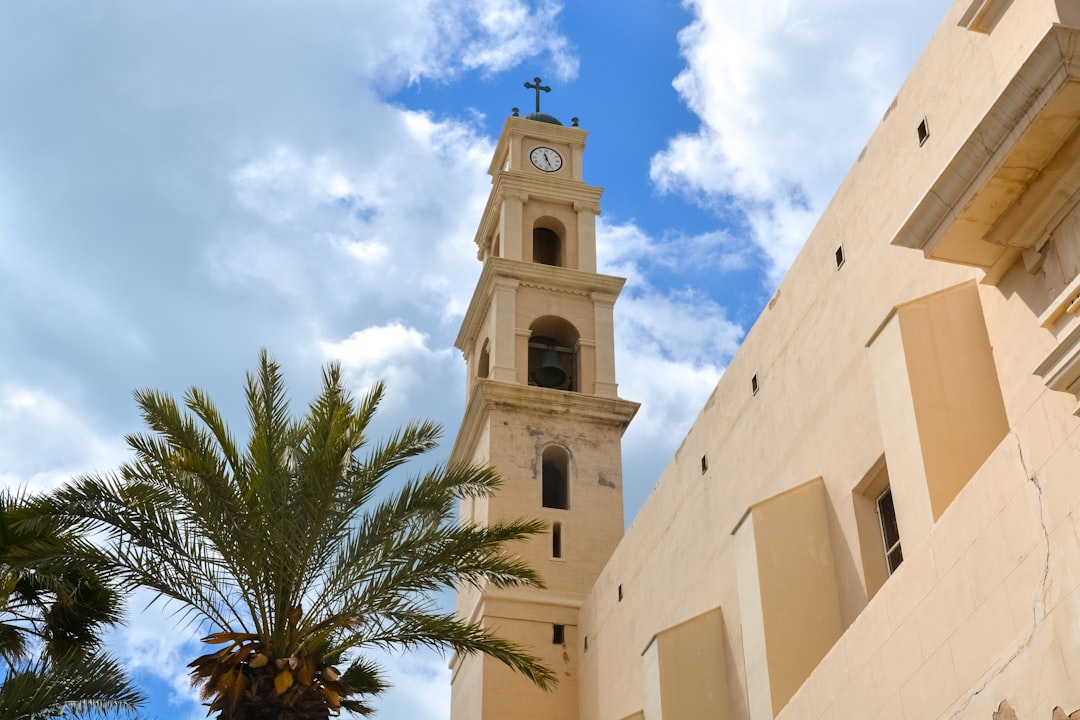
546	247
923	131
754	384
620	593
555	491
586	643
556	540
558	634
483	368
839	257
704	464
890	531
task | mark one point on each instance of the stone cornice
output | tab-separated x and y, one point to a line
535	275
1028	124
489	395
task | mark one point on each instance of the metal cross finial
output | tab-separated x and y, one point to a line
537	87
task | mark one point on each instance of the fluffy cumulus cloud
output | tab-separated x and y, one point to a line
44	442
403	359
786	93
509	33
390	223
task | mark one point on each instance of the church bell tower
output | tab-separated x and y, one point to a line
542	407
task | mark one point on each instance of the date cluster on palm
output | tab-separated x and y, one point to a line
246	679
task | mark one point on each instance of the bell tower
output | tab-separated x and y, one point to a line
542	407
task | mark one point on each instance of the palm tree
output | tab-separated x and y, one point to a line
76	686
287	552
55	600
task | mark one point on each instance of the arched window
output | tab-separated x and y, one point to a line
483	367
555	478
553	361
556	540
547	247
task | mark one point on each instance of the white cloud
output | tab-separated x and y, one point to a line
625	250
399	356
419	685
387	224
44	442
786	93
515	26
672	349
155	642
672	346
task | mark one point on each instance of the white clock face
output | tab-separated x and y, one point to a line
546	159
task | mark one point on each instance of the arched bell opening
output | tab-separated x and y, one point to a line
483	365
553	361
555	478
548	242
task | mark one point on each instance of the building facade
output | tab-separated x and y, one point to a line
877	512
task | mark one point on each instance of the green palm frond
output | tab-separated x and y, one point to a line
56	597
288	548
69	687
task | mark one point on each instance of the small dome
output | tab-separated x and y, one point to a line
542	117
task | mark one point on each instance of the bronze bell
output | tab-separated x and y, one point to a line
549	372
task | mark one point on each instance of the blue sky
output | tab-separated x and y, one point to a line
182	184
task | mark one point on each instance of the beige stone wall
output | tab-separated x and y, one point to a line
894	370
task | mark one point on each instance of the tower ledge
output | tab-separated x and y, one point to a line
489	395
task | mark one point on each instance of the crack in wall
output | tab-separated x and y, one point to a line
1038	611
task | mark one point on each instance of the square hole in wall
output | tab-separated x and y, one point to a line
704	464
558	634
620	593
754	384
923	131
839	257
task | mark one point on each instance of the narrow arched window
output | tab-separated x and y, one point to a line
483	367
556	540
555	479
